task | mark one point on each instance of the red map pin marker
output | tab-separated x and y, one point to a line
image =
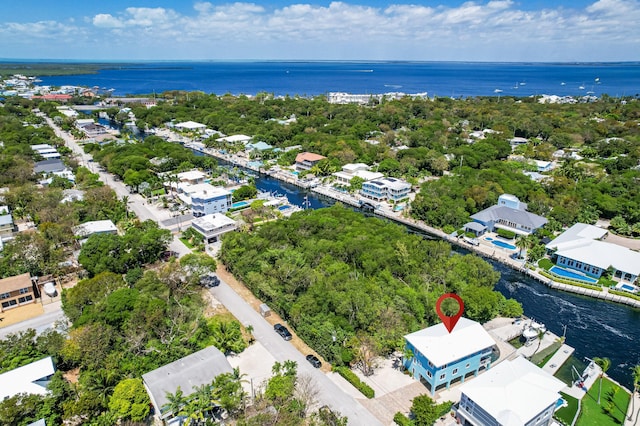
449	322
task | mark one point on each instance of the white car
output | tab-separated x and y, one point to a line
50	289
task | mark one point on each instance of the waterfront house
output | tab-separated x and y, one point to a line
191	126
387	188
199	368
205	198
582	248
32	378
192	177
439	358
243	139
306	160
213	226
361	170
16	291
514	392
510	214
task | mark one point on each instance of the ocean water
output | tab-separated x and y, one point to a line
451	79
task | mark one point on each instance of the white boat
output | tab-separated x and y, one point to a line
497	91
533	330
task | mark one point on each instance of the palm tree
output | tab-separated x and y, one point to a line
521	243
176	401
635	373
102	383
604	364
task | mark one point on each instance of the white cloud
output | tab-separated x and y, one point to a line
105	20
475	30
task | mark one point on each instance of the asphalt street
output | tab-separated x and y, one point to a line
329	393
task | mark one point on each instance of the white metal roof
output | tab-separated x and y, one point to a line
352	167
191	175
441	347
582	243
95	227
235	138
29	378
190	125
213	221
513	392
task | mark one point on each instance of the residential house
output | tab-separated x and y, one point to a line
514	392
192	177
7	227
208	199
53	97
510	214
518	141
191	126
258	146
386	188
199	368
583	249
543	166
45	151
306	160
88	229
243	139
440	359
49	167
32	378
16	291
361	170
213	226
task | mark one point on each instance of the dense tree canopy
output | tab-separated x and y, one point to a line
334	274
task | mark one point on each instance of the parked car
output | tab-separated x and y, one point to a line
210	280
313	360
282	331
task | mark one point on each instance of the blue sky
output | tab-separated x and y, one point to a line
437	30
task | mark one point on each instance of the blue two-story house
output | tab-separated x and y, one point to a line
439	359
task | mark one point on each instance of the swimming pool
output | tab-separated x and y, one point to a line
295	173
627	287
254	164
560	403
239	204
572	275
503	245
285	207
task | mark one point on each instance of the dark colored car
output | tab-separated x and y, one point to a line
209	281
313	360
282	331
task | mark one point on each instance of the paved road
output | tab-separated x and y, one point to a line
137	203
329	393
39	323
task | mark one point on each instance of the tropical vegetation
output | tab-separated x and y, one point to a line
353	286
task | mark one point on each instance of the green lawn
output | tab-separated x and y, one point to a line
612	409
540	358
186	242
566	414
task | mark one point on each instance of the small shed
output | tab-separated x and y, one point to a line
265	311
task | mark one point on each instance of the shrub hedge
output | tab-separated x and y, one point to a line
506	234
352	378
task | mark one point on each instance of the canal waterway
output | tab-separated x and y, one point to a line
595	328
